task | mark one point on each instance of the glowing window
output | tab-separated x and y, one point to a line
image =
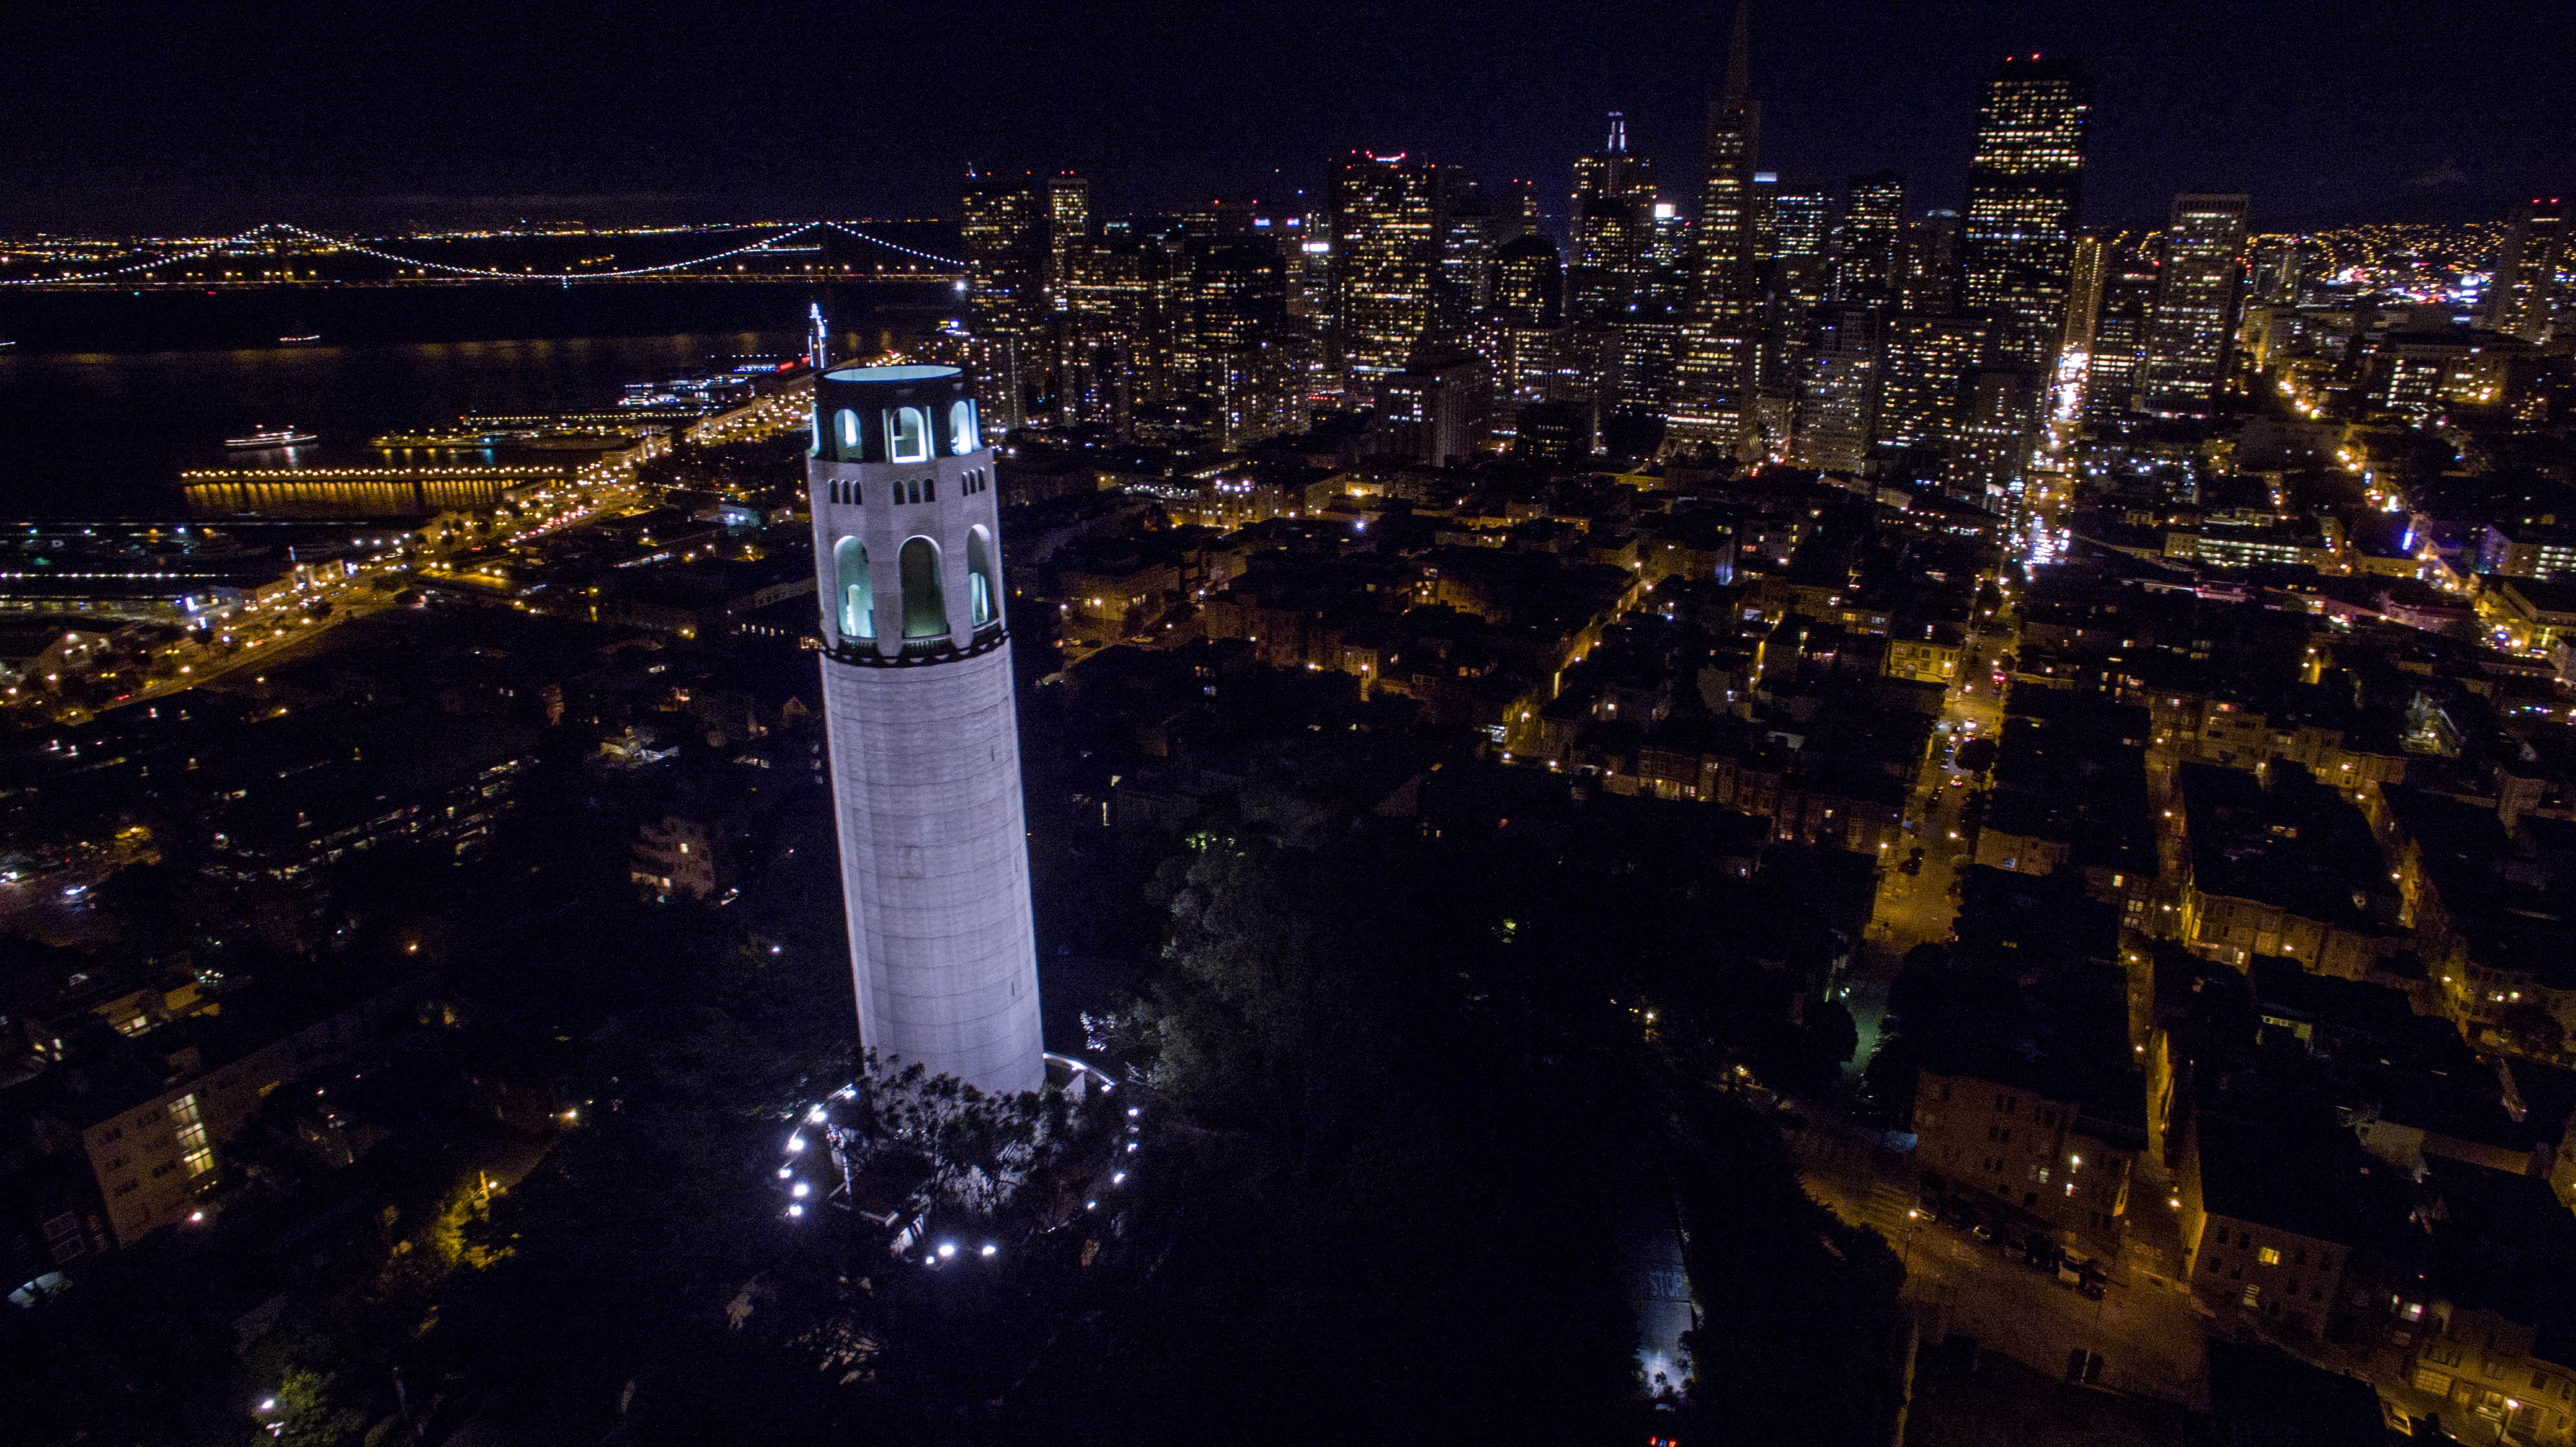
907	435
961	428
847	422
925	608
979	576
858	600
2269	1256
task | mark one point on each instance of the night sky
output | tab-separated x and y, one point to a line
178	115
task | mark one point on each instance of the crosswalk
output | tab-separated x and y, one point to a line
1885	1206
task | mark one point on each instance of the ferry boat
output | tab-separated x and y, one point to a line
281	437
303	341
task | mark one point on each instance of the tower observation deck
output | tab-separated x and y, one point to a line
925	748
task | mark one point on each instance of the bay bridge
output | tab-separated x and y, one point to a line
279	254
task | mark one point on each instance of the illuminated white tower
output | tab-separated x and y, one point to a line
925	748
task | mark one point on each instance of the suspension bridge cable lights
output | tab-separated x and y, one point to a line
895	246
489	273
562	276
208	249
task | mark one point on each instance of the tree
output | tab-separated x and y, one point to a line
310	1410
1976	756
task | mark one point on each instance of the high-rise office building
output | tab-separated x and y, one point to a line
1120	336
2525	298
1923	382
1991	443
1838	398
1796	239
1611	225
1869	252
1928	275
2084	292
1386	261
1068	214
1647	349
1242	367
2129	287
2025	186
1524	322
1005	235
1437	408
923	742
1717	371
2195	311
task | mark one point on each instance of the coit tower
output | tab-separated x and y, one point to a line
925	748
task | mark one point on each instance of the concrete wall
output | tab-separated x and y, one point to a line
934	865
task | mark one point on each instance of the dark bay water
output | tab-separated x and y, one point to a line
105	432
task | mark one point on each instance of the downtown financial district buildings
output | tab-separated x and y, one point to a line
2248	558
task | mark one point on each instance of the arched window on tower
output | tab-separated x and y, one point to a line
925	608
962	438
907	435
980	589
846	422
857	594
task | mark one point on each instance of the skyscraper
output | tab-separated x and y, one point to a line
1796	234
2129	287
1838	398
924	744
1068	215
1467	221
1006	264
1386	259
2524	298
1523	323
1611	225
2195	312
1870	249
2025	184
1120	333
1715	374
1924	379
1238	360
1928	274
1990	446
2084	292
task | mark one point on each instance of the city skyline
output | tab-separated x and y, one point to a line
192	122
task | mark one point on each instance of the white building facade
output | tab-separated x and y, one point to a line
925	747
